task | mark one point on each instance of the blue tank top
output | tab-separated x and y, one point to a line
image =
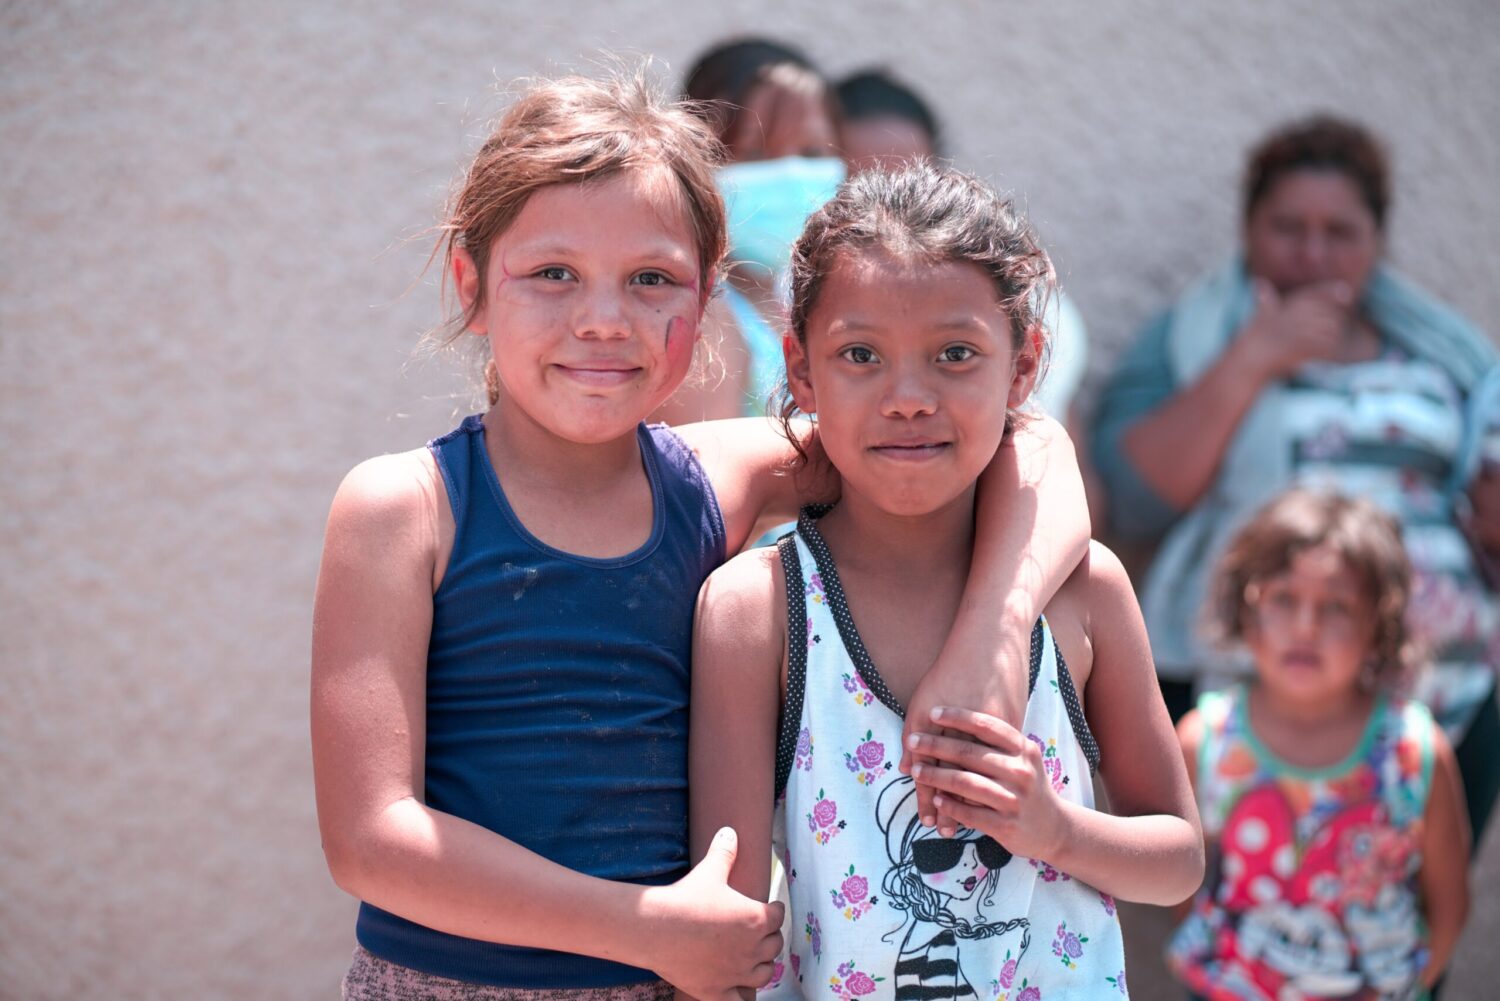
557	694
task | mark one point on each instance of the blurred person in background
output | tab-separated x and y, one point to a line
776	116
883	124
1307	360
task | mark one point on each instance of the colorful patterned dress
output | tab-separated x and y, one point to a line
881	906
1312	882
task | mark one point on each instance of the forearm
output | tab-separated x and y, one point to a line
1152	859
1177	448
457	877
1031	531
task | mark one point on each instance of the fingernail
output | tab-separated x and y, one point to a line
929	821
915	740
937	712
916	771
937	800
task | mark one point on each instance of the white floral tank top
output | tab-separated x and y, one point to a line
881	906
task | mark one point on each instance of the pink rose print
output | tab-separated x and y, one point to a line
1029	993
815	588
853	896
1118	982
1109	904
823	820
870	754
1008	971
850	983
868	760
1049	874
1067	946
1006	979
812	637
776	972
796	966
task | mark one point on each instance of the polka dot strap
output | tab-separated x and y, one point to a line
834	589
796	668
1070	699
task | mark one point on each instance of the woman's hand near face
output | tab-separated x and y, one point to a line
1176	449
1307	324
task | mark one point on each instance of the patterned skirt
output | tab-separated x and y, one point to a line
371	978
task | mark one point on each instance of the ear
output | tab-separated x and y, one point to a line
1025	367
466	281
797	379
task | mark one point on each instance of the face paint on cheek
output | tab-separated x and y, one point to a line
678	344
505	271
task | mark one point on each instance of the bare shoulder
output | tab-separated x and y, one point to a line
743	591
393	506
1092	600
388	484
1108	582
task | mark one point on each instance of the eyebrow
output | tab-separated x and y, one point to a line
653	251
859	325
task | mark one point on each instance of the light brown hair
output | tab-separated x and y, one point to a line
571	131
1367	540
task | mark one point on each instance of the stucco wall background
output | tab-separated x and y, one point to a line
209	296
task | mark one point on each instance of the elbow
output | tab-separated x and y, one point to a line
352	854
342	855
1186	875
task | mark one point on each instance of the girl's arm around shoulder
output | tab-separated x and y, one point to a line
739	647
1444	877
387	540
1149	849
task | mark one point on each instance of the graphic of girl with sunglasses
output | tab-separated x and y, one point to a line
946	886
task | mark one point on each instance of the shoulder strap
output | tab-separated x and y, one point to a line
1069	693
787	730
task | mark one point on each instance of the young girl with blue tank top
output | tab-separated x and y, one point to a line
915	321
502	629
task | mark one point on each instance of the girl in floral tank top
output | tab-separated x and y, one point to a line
916	299
1339	844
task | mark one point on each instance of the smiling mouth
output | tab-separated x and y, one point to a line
598	376
912	451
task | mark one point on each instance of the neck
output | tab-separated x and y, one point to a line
940	540
521	450
1311	714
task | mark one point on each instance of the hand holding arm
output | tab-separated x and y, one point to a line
1032	528
1000	786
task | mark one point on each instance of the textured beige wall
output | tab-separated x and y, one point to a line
207	308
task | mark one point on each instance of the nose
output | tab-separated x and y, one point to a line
601	315
1305	619
909	392
1316	252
